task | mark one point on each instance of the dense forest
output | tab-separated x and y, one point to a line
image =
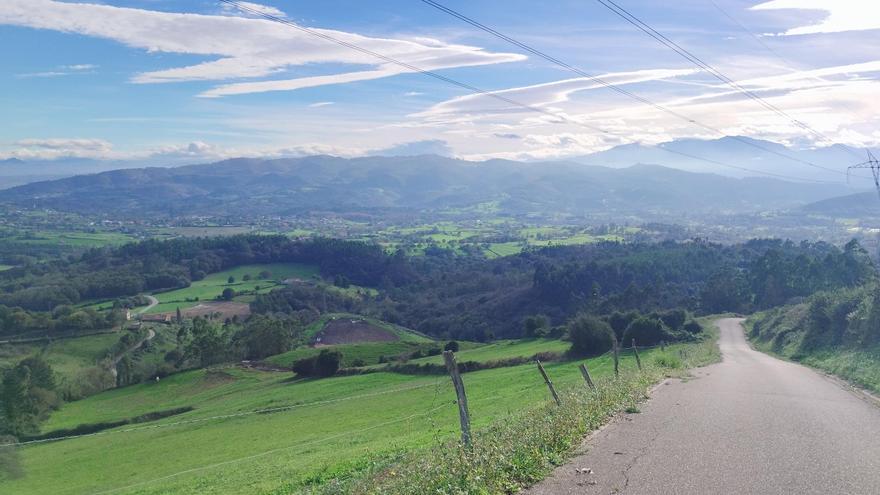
442	293
478	299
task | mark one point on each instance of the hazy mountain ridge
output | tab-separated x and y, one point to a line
282	186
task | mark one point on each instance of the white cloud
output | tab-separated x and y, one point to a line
245	48
264	9
842	15
321	104
60	148
839	101
541	95
79	67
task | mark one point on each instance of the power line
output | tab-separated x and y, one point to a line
650	31
614	87
558	118
751	33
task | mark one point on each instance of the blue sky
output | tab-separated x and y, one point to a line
169	80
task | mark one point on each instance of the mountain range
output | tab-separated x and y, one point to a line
247	186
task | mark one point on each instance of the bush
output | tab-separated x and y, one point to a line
535	326
646	331
325	364
619	321
674	318
589	336
451	346
692	327
228	294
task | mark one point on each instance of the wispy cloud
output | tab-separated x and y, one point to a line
321	104
246	48
842	15
64	70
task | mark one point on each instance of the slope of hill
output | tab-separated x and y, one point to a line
284	186
859	205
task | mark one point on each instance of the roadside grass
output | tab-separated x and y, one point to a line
521	449
858	365
210	287
344	428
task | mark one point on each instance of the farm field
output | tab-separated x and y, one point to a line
74	239
332	426
212	285
67	356
402	341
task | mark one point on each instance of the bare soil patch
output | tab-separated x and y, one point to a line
352	331
226	309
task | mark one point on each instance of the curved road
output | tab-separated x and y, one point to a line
751	424
153	302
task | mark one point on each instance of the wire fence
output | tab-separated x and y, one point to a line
439	401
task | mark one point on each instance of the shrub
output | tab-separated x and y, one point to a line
692	327
619	321
535	326
674	318
325	364
589	336
451	346
646	331
228	294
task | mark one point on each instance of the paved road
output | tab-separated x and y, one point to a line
751	424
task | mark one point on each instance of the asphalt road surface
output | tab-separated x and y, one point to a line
751	424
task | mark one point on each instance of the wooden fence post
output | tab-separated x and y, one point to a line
463	414
616	360
636	351
587	378
548	382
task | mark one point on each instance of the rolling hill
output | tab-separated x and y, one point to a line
285	186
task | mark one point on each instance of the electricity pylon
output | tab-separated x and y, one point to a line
872	164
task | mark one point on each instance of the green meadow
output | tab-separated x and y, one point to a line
210	287
327	428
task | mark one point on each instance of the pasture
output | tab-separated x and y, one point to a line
212	286
329	427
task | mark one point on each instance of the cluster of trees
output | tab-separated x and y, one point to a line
27	396
592	335
477	299
63	319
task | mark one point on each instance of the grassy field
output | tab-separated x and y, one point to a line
332	427
75	239
368	353
67	356
212	286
